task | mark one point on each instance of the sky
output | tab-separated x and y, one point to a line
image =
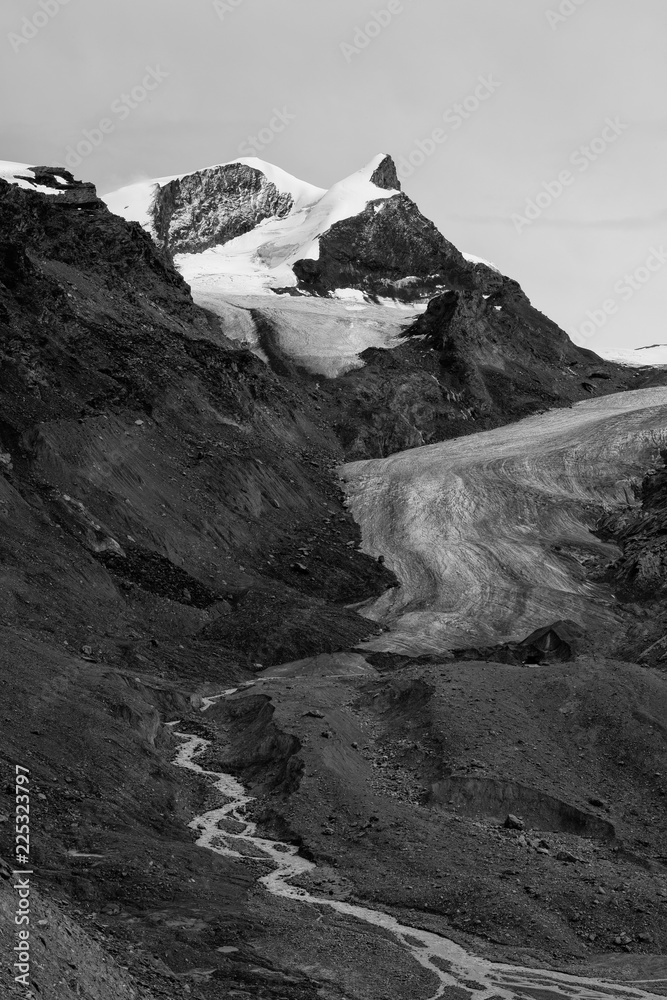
532	132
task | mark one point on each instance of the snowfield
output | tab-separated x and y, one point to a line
19	174
655	354
480	260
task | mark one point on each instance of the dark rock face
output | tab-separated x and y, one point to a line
212	207
385	176
641	532
153	481
391	249
507	358
388	249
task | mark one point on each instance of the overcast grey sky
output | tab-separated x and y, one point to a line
559	75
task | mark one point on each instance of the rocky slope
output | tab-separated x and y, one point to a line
407	778
640	531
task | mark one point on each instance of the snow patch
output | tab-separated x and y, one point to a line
352	294
408	307
15	173
480	260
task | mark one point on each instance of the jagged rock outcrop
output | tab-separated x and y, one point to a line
641	532
505	358
55	183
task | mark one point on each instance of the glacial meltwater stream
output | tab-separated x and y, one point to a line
434	953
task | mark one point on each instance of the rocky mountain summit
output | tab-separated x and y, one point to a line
180	563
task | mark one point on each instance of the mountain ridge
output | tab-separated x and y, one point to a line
302	214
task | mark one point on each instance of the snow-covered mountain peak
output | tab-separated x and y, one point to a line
302	192
241	225
354	192
135	202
